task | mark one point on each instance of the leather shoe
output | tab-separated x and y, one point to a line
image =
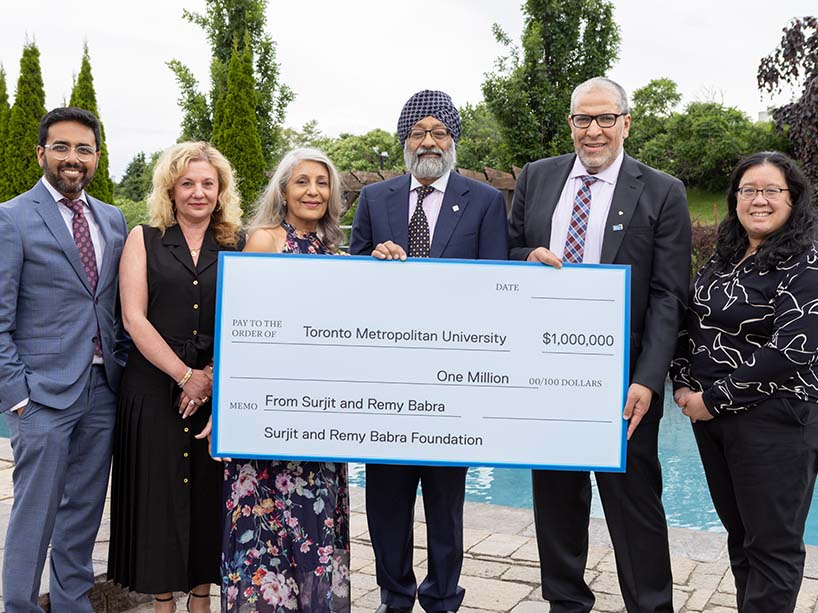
385	608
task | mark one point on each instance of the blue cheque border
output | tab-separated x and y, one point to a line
223	255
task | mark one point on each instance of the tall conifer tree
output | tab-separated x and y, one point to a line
224	22
19	159
236	132
4	120
83	96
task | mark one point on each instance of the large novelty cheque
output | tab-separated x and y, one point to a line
446	362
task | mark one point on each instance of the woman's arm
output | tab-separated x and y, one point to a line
133	289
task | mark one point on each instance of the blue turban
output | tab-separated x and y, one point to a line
428	103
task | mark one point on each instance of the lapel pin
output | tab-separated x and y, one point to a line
455	208
618	227
621	212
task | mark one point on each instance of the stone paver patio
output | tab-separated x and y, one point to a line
500	572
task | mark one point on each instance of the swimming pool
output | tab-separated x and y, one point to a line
687	501
685	495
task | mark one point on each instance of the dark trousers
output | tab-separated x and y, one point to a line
390	510
636	521
760	466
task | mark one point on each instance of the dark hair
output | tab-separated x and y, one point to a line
68	113
796	235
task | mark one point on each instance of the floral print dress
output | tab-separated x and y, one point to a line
286	533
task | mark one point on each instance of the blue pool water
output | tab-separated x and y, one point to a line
687	501
686	497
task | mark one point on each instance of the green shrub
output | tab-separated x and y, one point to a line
704	244
136	212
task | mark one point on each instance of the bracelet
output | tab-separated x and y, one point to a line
186	377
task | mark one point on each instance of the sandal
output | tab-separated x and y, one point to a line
195	595
168	599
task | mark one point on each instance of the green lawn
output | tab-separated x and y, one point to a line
702	205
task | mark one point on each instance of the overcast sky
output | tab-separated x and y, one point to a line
354	63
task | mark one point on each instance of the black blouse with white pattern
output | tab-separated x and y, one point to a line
752	335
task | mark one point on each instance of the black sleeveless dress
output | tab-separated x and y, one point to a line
166	490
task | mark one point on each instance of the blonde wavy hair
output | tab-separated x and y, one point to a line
271	208
225	221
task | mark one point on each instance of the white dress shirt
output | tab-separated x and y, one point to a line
601	195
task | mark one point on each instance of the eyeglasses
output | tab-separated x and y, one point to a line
85	153
439	134
769	193
605	120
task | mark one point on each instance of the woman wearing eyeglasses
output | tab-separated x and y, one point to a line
746	374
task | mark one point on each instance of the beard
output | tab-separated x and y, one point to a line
431	167
69	186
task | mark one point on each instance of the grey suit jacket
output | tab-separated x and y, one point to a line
49	316
648	227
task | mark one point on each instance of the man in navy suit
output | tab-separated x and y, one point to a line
431	212
601	206
61	355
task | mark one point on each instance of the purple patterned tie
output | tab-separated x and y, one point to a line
82	237
575	240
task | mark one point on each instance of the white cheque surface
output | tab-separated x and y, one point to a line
425	361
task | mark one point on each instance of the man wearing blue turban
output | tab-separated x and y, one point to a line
430	212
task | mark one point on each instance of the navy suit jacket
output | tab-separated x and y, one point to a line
648	227
49	316
471	224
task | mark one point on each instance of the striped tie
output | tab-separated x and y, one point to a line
577	229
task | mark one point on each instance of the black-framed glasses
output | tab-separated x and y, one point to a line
769	193
439	134
60	151
604	120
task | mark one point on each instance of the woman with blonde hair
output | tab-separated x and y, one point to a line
165	499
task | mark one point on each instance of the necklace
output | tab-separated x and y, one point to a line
194	251
298	231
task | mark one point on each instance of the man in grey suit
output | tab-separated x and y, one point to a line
602	206
61	356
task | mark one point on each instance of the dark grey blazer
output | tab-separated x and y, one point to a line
650	207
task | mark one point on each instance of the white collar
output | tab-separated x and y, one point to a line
58	196
440	184
609	174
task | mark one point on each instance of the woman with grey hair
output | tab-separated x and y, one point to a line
286	533
288	211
